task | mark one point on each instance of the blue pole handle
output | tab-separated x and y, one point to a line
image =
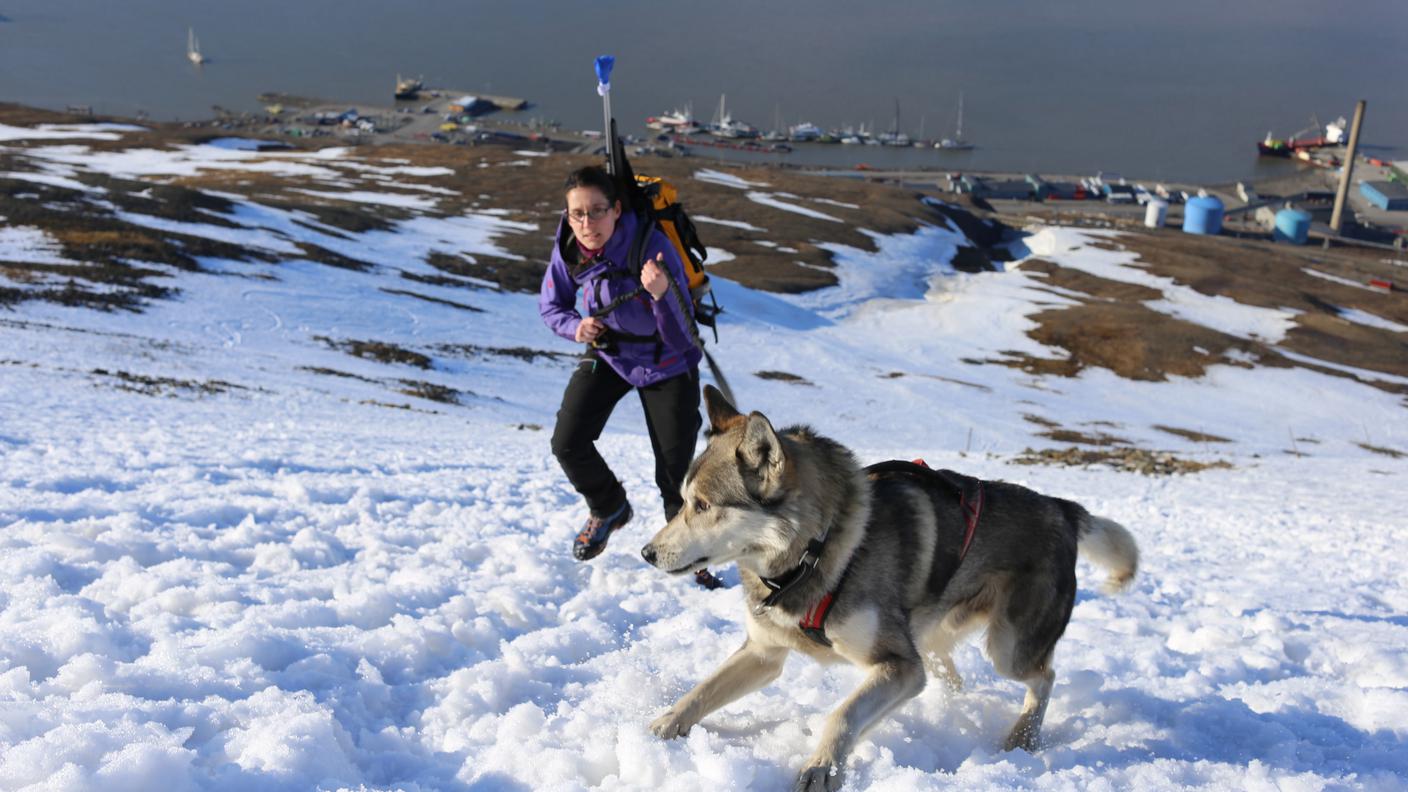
604	64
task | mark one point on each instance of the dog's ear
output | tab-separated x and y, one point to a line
762	456
722	414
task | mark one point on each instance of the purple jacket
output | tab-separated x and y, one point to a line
609	278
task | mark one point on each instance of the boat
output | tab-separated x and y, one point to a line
675	121
409	88
1271	147
1297	143
193	48
956	143
804	132
777	134
725	127
894	137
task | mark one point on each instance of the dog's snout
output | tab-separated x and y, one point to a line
648	553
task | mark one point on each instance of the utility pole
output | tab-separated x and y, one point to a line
1346	174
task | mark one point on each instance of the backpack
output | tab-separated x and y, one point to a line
656	204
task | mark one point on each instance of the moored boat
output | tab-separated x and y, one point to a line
193	53
408	88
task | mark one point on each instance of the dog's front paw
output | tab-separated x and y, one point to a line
670	725
819	778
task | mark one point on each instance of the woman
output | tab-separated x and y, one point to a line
642	344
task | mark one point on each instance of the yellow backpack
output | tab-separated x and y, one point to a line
663	211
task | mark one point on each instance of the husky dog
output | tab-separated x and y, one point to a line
886	567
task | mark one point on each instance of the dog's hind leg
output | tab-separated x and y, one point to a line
1021	639
1026	732
888	684
750	668
938	644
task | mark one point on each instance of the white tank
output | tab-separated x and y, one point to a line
1155	213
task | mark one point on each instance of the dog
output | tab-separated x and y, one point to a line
886	567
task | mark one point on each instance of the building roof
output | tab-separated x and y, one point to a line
1388	189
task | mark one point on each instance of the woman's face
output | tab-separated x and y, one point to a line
592	217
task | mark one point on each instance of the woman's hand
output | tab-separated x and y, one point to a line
590	330
653	277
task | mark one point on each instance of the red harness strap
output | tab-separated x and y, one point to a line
814	622
971	512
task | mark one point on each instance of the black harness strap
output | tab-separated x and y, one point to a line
970	501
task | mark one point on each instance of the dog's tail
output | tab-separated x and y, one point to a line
1111	546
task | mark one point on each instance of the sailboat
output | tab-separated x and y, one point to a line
193	48
956	143
894	137
725	127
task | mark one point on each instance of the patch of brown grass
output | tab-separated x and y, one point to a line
379	351
1082	438
430	391
1130	460
1189	434
165	386
1388	452
783	376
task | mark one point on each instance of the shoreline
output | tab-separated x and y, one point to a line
425	120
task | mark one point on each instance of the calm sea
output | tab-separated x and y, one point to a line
1149	89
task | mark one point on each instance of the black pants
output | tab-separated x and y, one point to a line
671	415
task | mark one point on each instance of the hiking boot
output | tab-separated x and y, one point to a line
591	540
708	580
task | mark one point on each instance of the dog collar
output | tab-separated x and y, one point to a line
813	622
785	583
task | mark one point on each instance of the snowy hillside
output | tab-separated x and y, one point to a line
279	513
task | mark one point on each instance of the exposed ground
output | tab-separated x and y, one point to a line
114	263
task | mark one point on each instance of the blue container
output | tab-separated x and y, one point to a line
1292	225
1203	215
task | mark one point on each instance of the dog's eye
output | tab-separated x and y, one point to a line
700	505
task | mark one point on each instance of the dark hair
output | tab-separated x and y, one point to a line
592	176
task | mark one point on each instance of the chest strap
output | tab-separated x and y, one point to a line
813	624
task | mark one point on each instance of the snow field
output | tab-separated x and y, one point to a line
284	586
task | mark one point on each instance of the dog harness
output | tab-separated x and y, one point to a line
813	622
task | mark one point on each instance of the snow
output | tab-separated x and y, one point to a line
31	245
243	144
1217	312
768	199
1369	320
842	204
383	198
726	179
730	223
1336	279
290	586
62	131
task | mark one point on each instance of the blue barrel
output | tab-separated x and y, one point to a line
1292	225
1203	215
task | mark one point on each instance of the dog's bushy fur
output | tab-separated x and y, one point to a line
756	497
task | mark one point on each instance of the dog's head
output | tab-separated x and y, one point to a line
735	496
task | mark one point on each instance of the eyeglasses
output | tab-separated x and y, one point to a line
593	214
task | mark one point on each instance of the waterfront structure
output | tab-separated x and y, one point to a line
1390	196
1292	225
1203	215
